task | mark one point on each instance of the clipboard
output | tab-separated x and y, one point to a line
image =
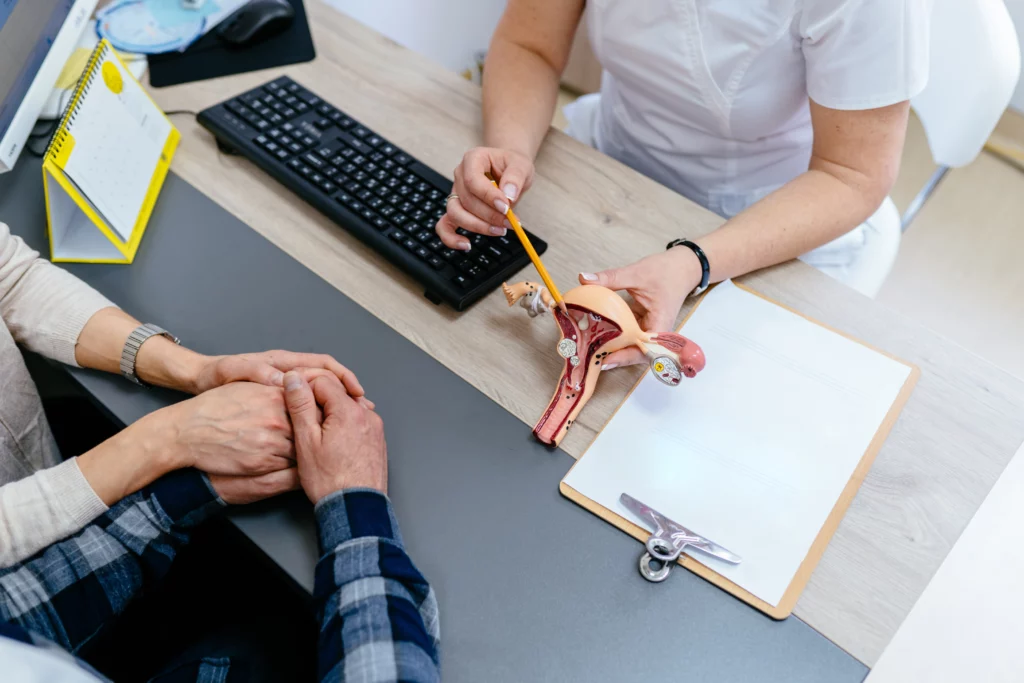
785	606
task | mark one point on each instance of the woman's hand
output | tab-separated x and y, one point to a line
479	206
238	429
268	368
658	284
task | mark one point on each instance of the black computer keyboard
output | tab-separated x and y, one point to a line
365	184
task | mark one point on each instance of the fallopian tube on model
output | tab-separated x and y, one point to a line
599	322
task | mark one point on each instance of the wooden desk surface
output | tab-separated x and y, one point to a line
962	424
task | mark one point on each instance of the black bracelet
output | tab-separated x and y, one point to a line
705	267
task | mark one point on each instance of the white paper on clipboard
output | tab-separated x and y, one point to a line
754	452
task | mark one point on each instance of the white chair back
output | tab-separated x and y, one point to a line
973	70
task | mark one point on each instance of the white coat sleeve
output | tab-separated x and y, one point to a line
865	54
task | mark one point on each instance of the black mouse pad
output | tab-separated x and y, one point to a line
209	57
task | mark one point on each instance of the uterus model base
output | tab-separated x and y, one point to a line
598	323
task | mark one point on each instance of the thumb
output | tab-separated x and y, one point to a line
298	397
515	178
613	278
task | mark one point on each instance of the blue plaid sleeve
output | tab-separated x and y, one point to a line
379	619
68	591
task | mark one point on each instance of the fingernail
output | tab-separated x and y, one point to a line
501	206
497	231
292	381
464	245
590	277
511	191
609	366
507	224
277	378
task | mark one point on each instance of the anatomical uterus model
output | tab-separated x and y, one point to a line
598	323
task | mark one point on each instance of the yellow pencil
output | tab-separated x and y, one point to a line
535	257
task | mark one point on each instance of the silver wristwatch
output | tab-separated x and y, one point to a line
132	345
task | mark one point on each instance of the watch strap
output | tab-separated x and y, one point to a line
705	266
135	340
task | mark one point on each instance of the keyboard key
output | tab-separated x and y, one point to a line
295	165
389	149
435	262
376	203
387	211
322	124
361	132
399	172
330	171
353	187
281	154
411	228
377	157
316	178
356	206
374	140
291	100
344	198
308	141
400	218
275	119
327	186
497	253
435	244
383	191
422	252
410	245
314	160
305	171
301	107
325	151
475	272
288	113
485	261
394	199
272	147
295	147
449	255
261	140
403	159
275	133
364	194
360	176
370	183
325	110
461	281
342	121
288	128
397	235
424	236
380	223
422	187
349	168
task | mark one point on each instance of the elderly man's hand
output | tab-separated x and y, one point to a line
339	442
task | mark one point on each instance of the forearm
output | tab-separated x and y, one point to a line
520	92
809	211
368	591
131	459
96	572
160	361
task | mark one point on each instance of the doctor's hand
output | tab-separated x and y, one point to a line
658	284
479	206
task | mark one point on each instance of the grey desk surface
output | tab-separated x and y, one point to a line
531	587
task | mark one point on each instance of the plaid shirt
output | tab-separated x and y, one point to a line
379	615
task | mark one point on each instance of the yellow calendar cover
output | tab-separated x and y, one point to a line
105	165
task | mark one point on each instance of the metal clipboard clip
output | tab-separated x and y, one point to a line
668	540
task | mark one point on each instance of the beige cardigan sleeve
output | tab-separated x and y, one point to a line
44	508
43	306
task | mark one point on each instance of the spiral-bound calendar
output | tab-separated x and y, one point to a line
105	165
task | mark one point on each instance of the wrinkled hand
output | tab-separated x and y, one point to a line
344	448
658	284
245	490
480	206
268	368
238	429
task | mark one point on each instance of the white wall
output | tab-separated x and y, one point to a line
447	31
1016	8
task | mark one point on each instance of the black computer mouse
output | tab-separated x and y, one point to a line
256	21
